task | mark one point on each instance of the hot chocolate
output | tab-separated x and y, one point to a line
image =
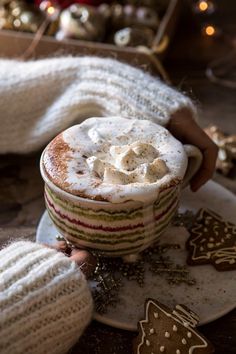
113	184
115	159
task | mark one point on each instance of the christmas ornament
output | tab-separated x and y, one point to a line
148	3
131	16
63	4
82	22
134	37
20	16
227	149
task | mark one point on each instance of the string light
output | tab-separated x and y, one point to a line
209	30
204	6
51	9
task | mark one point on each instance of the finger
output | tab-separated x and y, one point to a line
85	261
188	131
196	136
207	169
58	246
191	133
200	179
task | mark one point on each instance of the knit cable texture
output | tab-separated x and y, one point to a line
39	99
45	303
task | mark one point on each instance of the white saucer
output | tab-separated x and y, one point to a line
214	293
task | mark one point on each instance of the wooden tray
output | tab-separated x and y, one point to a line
14	44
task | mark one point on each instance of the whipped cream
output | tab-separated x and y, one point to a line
137	162
120	159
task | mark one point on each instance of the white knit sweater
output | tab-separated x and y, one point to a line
45	303
38	99
44	300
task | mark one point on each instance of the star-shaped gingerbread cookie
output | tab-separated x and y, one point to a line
212	241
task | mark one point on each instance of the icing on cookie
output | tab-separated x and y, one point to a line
186	316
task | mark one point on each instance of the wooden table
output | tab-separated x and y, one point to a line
21	192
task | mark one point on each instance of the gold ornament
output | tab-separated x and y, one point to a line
82	22
134	37
20	16
132	16
227	149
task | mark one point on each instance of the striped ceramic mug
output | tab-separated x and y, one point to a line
115	229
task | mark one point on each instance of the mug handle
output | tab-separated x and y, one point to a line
194	162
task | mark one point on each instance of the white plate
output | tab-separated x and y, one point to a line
214	293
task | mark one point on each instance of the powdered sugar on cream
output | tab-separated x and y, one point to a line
122	159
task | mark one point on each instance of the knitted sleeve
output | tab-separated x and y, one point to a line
44	300
38	99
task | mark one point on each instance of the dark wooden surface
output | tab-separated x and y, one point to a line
21	188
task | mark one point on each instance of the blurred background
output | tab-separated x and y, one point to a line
190	44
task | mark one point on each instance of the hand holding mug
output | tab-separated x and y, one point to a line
183	126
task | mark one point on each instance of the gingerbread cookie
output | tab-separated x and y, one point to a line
212	240
166	331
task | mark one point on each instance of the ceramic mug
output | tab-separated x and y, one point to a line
122	229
